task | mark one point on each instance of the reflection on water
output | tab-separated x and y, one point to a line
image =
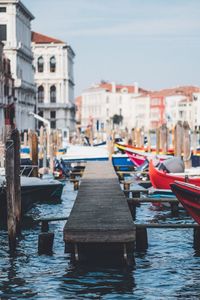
91	282
169	269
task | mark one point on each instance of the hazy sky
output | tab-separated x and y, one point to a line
153	42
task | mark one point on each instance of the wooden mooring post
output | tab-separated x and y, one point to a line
164	139
157	140
13	189
178	139
186	145
10	195
46	238
16	140
34	152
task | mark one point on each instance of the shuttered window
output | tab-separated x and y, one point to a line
3	32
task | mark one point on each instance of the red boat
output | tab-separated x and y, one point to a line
137	159
189	196
138	156
162	180
144	149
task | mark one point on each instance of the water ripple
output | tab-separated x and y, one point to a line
169	269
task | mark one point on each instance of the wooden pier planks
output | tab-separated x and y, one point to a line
100	213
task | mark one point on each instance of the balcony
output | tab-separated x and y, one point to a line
54	105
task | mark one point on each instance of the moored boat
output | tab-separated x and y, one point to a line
189	195
33	190
144	149
160	179
138	155
80	154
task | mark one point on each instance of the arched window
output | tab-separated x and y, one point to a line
52	64
53	94
40	94
40	64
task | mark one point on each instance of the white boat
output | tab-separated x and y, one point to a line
33	190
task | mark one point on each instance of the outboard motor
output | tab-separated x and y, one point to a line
172	165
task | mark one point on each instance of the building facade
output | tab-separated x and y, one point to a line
157	111
15	32
178	108
53	62
7	107
196	110
107	105
140	112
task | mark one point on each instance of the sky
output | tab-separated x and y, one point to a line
155	43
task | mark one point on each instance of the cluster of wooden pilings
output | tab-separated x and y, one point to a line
181	139
44	145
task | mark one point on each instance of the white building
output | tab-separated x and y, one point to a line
104	101
178	108
196	110
140	112
15	32
7	108
53	61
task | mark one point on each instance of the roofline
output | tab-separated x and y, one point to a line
21	5
54	40
70	48
50	43
32	17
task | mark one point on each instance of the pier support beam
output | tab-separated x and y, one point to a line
126	189
45	243
196	243
45	240
141	239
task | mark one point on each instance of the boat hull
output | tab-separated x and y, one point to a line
162	180
31	195
189	196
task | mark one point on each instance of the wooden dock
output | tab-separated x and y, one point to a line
100	224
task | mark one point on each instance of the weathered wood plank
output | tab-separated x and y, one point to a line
100	212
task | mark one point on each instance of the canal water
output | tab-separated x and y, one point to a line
169	269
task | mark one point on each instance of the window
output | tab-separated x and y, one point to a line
181	114
6	90
52	64
53	114
53	94
2	9
40	64
3	32
40	94
41	113
53	124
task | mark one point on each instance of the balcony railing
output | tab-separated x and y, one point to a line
53	105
